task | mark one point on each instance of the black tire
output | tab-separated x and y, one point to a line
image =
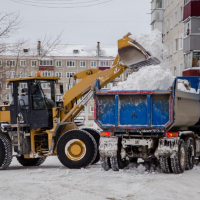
133	160
105	163
118	163
5	152
85	143
178	161
190	153
165	164
96	136
30	162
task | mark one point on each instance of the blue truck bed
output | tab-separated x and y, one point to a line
147	111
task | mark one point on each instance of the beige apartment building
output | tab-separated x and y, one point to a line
63	62
171	13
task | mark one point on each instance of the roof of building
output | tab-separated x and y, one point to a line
67	50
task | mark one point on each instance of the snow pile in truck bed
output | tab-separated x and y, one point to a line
184	85
152	77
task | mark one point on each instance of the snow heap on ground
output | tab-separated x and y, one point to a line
147	78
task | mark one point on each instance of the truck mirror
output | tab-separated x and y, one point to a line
61	88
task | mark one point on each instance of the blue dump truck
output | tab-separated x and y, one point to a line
161	127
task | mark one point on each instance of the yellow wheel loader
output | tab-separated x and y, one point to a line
34	126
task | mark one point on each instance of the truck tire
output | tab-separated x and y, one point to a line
190	153
5	152
117	162
105	163
165	164
96	136
30	162
76	149
178	161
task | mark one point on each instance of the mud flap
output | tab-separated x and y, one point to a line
108	147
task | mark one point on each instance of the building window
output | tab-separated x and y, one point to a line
181	13
196	59
58	74
69	74
10	74
47	73
171	22
181	69
0	97
0	63
58	97
158	3
187	29
82	63
11	63
34	63
69	86
23	74
167	25
33	73
58	63
70	63
175	71
91	108
8	98
8	85
181	42
176	18
187	1
22	63
23	85
105	63
175	45
46	62
93	64
171	48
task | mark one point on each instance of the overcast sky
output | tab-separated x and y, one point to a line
87	22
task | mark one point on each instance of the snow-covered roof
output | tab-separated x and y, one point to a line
69	50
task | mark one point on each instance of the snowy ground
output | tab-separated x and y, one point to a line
52	181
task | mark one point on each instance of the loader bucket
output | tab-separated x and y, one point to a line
134	55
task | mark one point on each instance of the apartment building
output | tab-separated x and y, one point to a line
191	43
63	62
170	12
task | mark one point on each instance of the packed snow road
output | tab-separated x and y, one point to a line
52	181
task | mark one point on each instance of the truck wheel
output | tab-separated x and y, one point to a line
96	136
118	163
190	153
165	164
5	152
28	162
105	163
178	161
76	149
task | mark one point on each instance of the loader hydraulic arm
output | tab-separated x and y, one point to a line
88	77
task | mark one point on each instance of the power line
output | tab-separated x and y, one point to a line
80	6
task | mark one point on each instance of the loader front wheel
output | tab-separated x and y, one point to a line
96	136
76	149
5	152
30	162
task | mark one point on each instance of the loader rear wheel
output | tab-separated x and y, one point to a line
105	163
5	152
28	162
190	153
76	149
178	161
165	164
96	136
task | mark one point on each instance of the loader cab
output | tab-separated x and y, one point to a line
32	101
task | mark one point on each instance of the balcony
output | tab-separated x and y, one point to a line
191	43
191	9
157	15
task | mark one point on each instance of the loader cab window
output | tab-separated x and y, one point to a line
43	94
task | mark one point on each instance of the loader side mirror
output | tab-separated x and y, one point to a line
61	88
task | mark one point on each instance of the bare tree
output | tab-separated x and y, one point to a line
11	54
